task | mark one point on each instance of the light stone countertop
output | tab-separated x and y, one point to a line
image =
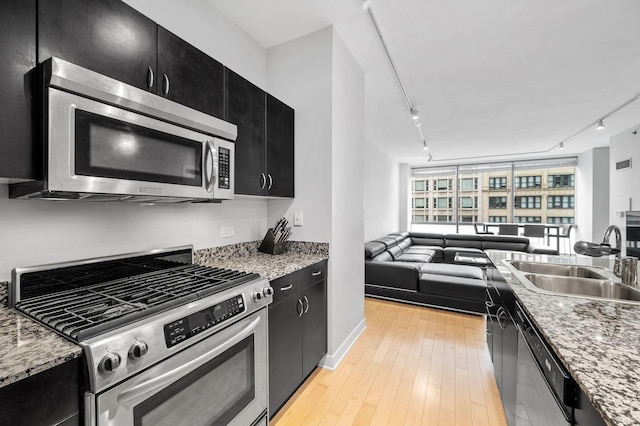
27	348
597	341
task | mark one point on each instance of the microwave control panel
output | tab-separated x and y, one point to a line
184	328
224	168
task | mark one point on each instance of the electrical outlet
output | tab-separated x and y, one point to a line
227	232
298	218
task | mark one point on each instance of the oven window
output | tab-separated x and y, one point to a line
213	394
110	148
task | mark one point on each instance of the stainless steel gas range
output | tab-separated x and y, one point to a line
166	342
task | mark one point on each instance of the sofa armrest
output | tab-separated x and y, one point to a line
536	249
393	274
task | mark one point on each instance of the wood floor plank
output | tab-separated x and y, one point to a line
412	365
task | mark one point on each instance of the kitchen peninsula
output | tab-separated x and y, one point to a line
596	340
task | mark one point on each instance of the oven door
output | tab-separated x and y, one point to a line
93	147
221	380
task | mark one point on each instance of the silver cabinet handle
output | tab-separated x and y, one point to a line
270	181
301	306
286	288
170	376
307	308
166	85
315	274
264	181
150	78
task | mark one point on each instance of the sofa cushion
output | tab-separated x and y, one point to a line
457	281
388	241
416	257
404	234
450	253
463	240
402	275
404	244
452	270
373	248
385	256
395	251
504	242
427	239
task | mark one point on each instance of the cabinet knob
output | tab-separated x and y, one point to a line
138	349
109	363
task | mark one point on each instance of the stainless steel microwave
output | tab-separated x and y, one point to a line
105	140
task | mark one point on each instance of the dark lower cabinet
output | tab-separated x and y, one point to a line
17	81
105	36
51	397
297	331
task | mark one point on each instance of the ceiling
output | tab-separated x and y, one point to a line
492	79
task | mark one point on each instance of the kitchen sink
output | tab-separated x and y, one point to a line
587	287
557	269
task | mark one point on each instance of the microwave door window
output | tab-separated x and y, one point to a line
110	148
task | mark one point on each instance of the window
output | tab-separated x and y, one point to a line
560	220
419	218
443	218
528	202
419	203
469	184
529	182
497	183
498	219
442	202
528	219
468	219
561	181
560	201
498	203
468	202
443	184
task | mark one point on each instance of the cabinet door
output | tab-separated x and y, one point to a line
17	78
245	107
280	148
509	368
285	350
188	76
106	36
314	330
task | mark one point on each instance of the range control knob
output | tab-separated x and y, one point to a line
257	296
109	363
138	350
267	291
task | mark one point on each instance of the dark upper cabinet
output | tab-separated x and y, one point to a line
106	36
280	148
112	38
245	107
188	76
265	143
17	80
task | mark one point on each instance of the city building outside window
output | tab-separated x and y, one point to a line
419	218
560	220
528	202
528	219
469	202
469	184
498	183
529	182
419	203
561	181
443	184
560	202
498	219
468	219
497	202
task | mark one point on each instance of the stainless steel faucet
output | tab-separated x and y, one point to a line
625	268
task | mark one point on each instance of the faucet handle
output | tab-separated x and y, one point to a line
627	269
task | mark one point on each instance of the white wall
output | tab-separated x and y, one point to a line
404	188
317	75
592	194
202	25
624	189
381	195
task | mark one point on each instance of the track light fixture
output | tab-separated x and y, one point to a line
424	146
561	146
600	125
415	114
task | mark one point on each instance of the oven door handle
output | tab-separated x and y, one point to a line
173	375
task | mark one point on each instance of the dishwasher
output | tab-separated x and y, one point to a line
545	392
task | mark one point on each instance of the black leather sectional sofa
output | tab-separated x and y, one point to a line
441	270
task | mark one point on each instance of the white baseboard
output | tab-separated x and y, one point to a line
331	361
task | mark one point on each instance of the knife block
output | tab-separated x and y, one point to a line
270	246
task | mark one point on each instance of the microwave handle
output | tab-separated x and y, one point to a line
173	375
210	173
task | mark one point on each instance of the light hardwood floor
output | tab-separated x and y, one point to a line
411	366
